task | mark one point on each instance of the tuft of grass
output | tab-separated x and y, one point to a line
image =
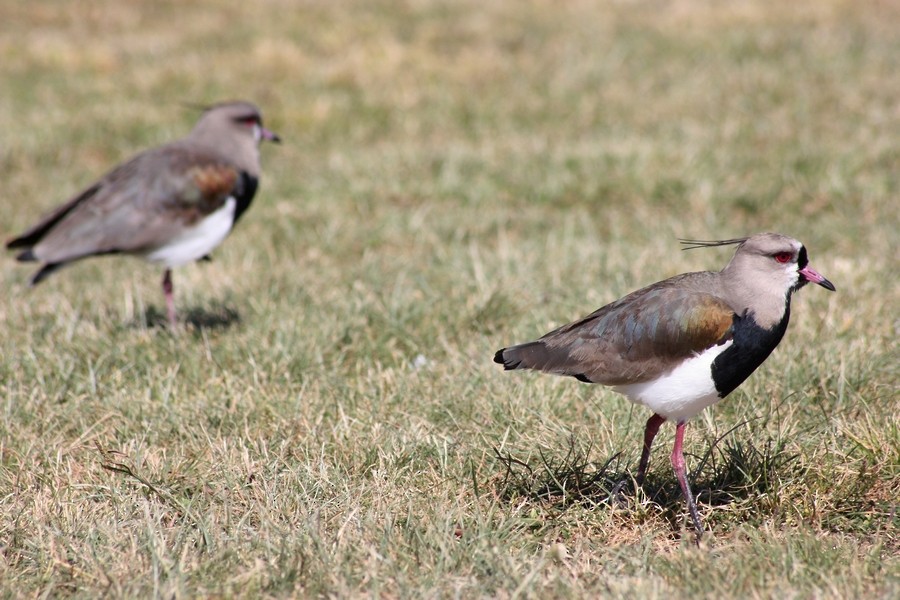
455	177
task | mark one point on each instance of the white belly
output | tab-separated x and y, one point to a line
197	242
682	392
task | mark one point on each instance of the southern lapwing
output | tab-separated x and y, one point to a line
171	205
684	343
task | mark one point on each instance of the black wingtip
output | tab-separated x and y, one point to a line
23	241
498	357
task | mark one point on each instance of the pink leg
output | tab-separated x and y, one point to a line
650	432
678	465
170	298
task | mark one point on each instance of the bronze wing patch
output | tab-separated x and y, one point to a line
638	337
212	185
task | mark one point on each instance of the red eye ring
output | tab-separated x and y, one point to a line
783	257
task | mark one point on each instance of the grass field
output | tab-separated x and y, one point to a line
456	177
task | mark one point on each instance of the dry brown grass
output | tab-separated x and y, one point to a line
457	177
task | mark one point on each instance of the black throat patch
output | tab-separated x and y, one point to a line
750	347
244	192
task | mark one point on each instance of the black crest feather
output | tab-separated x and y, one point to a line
692	244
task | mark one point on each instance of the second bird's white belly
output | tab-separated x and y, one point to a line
682	392
198	241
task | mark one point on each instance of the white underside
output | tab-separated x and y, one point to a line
682	392
197	242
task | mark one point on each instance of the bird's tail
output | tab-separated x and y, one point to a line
532	355
540	357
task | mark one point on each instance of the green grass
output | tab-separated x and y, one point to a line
456	177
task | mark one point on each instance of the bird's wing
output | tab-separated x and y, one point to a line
632	340
48	221
138	206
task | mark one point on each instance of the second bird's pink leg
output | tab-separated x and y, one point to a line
170	297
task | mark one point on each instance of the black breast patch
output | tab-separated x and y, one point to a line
243	193
751	346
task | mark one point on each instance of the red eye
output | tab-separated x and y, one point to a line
783	257
251	120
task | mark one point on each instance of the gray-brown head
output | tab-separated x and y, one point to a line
765	269
236	127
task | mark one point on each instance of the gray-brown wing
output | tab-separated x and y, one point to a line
48	221
138	206
632	340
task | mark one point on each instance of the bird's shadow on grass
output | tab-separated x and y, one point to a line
729	472
218	317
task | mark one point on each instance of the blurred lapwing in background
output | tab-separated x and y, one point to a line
170	205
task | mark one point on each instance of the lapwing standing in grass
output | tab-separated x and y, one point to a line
684	343
171	205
